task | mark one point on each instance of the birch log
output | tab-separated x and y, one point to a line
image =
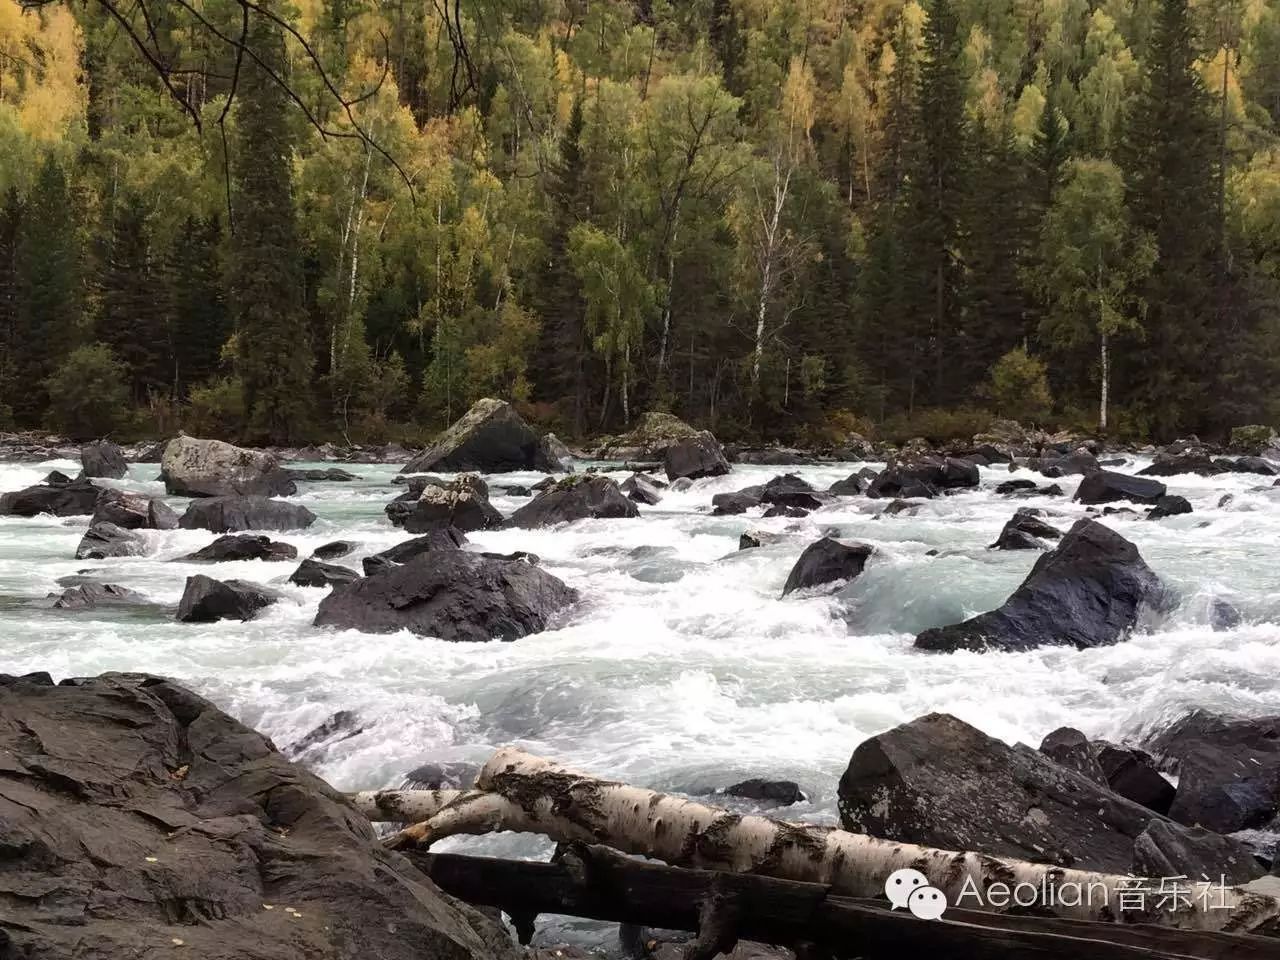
518	792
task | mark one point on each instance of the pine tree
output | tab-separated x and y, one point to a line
198	323
47	273
273	350
1169	158
131	319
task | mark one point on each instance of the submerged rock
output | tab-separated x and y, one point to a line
205	600
90	595
75	498
103	459
826	561
133	511
210	468
780	792
229	514
1086	593
489	438
242	546
699	456
104	540
590	496
342	725
316	573
1107	487
452	595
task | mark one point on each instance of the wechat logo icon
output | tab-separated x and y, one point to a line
910	889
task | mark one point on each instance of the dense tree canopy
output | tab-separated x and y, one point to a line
779	219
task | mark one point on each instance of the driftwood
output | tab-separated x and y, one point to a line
519	792
598	883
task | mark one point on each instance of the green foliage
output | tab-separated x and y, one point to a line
217	408
1020	386
88	396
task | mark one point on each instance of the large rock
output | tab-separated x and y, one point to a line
648	440
462	503
211	468
75	498
133	511
316	573
553	456
641	489
402	553
1132	773
788	490
698	456
1167	850
334	550
1070	748
242	546
229	514
1228	770
923	476
739	501
1106	486
1171	465
575	498
1025	531
88	596
939	782
1169	505
141	821
1086	593
104	540
452	595
489	438
102	459
205	600
827	561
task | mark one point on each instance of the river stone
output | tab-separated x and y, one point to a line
1171	465
695	457
86	596
242	546
1086	593
641	489
104	540
1258	465
740	501
826	561
401	553
1169	506
589	496
1024	531
652	435
229	514
780	792
452	595
923	476
205	600
1164	849
315	573
339	726
788	490
334	550
72	499
553	455
142	821
489	438
211	468
462	503
133	511
1106	486
1132	773
103	459
1070	748
939	782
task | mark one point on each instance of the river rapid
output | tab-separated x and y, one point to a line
681	668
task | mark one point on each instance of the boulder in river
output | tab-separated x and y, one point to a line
1106	486
87	596
641	489
462	503
1070	748
783	793
582	497
242	546
757	538
1086	593
1132	773
939	782
739	501
334	550
211	468
699	456
401	553
152	824
553	456
788	490
649	439
489	438
826	561
1171	465
102	459
1169	505
1025	531
450	594
73	499
205	600
923	476
317	573
1258	465
103	540
230	514
133	511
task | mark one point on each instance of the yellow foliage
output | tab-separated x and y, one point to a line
40	69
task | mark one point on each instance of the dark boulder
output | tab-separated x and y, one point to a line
740	501
242	546
1070	748
90	595
452	595
552	455
1223	615
1132	773
402	553
1169	506
56	478
1258	465
1228	770
1165	849
334	550
1171	465
695	457
339	726
315	573
897	507
1086	593
326	475
489	438
1024	531
1106	486
779	510
1010	487
939	782
75	498
641	489
205	600
133	511
780	792
210	468
230	514
826	561
923	476
590	496
462	503
789	490
104	540
441	775
850	486
142	821
102	459
757	538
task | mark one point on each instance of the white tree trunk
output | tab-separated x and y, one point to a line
1106	386
519	792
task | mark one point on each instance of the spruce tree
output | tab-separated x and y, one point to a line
198	323
131	317
47	274
273	349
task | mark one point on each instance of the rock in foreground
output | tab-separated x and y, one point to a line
171	825
452	595
584	497
489	438
231	514
1086	593
210	468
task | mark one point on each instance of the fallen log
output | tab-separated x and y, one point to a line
516	791
595	882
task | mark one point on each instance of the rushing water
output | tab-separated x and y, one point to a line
681	668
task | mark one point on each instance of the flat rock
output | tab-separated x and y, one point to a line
75	498
205	600
192	467
589	496
1106	486
316	573
230	514
242	546
826	561
87	596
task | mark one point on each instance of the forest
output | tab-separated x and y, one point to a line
781	219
